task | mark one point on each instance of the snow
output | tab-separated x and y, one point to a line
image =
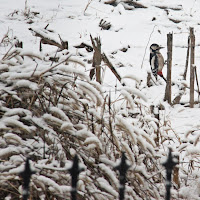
133	29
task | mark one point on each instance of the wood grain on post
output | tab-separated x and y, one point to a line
195	71
192	52
176	173
96	43
169	67
187	59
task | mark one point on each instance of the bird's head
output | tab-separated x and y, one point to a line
155	48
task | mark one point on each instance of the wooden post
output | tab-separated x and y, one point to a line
176	173
195	71
169	67
187	59
96	43
192	49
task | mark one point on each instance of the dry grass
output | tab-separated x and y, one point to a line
50	112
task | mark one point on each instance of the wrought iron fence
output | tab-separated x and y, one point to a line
75	170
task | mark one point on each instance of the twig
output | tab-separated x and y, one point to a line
7	53
109	64
146	46
34	70
89	2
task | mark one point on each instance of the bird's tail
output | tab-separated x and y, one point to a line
163	78
161	75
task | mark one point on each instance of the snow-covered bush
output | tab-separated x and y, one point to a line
52	111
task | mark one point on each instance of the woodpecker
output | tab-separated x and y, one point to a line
156	60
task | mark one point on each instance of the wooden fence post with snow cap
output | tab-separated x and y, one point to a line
169	67
192	52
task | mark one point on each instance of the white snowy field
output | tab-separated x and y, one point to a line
135	30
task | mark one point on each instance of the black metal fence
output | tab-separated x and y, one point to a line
75	170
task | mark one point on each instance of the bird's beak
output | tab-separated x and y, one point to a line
161	47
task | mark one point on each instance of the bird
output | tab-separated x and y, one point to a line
156	61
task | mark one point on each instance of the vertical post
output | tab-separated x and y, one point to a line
96	43
195	71
157	116
187	59
192	52
122	168
169	67
176	173
169	165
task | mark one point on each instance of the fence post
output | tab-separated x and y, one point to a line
75	170
192	49
187	59
176	173
26	176
169	67
157	116
169	165
122	168
96	43
195	71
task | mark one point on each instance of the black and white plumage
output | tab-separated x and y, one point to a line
156	60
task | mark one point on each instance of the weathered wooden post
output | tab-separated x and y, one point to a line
122	168
169	67
176	173
195	71
192	54
96	43
155	112
187	59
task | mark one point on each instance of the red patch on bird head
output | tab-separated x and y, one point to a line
160	73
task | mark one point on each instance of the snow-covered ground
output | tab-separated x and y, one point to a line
135	30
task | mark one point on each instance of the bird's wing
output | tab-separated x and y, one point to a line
154	64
